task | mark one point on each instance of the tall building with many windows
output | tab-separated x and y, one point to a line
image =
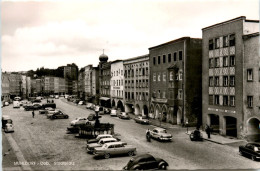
117	84
136	74
175	81
231	77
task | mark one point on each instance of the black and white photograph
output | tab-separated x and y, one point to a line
130	85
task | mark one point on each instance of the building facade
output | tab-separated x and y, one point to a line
117	85
104	80
15	85
175	86
5	87
28	87
136	87
231	77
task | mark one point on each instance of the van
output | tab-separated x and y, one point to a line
16	104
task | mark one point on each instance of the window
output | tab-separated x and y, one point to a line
126	95
217	81
154	60
143	71
163	95
146	72
164	58
225	81
211	63
158	94
180	94
159	59
232	61
250	75
232	81
232	101
211	81
225	41
136	72
216	100
216	43
154	76
250	101
216	62
180	75
180	55
171	76
225	100
133	96
136	96
169	58
164	76
225	61
147	84
232	40
159	77
211	44
175	56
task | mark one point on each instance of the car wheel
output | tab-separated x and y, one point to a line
107	155
130	153
54	117
253	158
66	117
163	166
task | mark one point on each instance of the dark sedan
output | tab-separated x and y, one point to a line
251	149
146	162
59	115
141	120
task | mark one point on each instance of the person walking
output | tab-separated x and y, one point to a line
148	136
207	129
33	113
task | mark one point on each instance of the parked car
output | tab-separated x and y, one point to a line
79	121
250	149
160	134
89	105
196	135
6	103
46	110
6	120
113	112
56	96
107	111
114	148
9	128
52	105
101	136
34	106
36	101
91	117
51	112
146	162
141	120
59	115
16	104
82	103
124	115
39	97
100	143
17	98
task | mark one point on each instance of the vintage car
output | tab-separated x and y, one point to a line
81	103
90	106
46	110
9	128
59	115
79	121
100	143
51	112
160	134
146	162
141	120
113	112
124	115
6	120
250	149
107	111
34	106
57	96
101	136
114	148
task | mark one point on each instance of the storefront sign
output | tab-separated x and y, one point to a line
222	110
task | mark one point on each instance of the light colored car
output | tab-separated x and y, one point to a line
113	112
160	134
79	121
141	120
56	96
51	112
124	115
9	127
46	110
100	143
16	104
114	148
81	103
99	137
6	103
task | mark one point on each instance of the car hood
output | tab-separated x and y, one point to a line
93	145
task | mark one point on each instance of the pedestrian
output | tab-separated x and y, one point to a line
148	136
207	129
33	113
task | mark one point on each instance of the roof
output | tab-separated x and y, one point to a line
173	41
138	57
229	21
247	36
118	60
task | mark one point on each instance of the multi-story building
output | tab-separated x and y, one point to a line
117	84
104	80
23	86
15	85
81	83
49	85
136	87
28	87
62	89
75	87
95	85
70	75
56	85
88	82
175	81
39	86
231	77
5	87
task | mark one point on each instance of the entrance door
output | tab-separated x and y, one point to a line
231	126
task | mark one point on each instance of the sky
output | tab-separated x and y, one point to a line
53	33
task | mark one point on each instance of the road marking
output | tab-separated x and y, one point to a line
17	151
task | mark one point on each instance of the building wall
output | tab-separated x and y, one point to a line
28	87
88	80
5	87
15	84
56	85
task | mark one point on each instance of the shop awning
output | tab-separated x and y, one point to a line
104	98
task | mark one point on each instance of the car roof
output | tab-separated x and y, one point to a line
159	129
103	135
107	139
